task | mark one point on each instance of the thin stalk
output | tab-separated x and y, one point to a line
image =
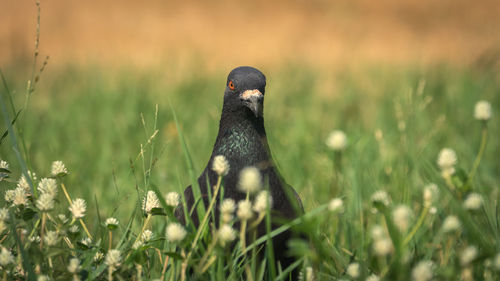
44	220
477	161
417	225
110	239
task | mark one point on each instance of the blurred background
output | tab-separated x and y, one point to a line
409	70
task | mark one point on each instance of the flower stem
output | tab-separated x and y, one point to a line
110	239
482	147
44	219
71	203
417	225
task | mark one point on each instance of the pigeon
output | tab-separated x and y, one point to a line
242	141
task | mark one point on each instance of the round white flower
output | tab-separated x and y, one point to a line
51	238
401	216
19	196
244	210
6	257
86	241
62	218
377	232
137	244
45	202
9	195
447	158
353	270
74	265
450	224
111	222
220	165
482	110
468	255
4	165
78	208
383	246
423	271
113	258
336	140
310	274
175	232
373	277
98	256
228	206
58	168
250	180
226	234
431	193
147	235
381	197
43	278
4	214
23	182
336	205
172	199
74	229
474	201
262	201
150	202
48	186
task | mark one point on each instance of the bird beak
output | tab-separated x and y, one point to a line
253	99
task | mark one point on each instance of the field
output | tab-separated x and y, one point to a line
123	130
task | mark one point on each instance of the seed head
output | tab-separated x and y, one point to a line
175	232
172	199
353	270
111	222
45	202
377	232
78	208
220	165
58	169
4	214
423	271
447	159
381	197
431	192
401	217
228	206
23	182
86	241
451	224
336	205
262	201
336	140
74	265
373	277
482	110
474	201
6	257
74	229
147	235
9	195
250	180
383	246
43	278
113	258
226	234
20	196
48	186
4	165
468	255
137	244
244	210
98	256
51	238
150	202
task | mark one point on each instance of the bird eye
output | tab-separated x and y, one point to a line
231	85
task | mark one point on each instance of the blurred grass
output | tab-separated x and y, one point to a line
90	117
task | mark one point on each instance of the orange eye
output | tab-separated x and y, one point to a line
231	85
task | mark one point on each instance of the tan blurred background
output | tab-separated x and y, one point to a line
222	32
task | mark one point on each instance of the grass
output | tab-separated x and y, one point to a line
102	124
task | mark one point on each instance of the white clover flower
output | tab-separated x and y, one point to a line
381	197
48	186
175	232
78	208
496	262
250	180
474	201
74	229
383	246
51	238
447	158
468	255
2	226
113	258
6	257
226	234
74	265
150	202
482	110
423	271
9	195
147	235
228	206
43	278
373	277
58	169
377	232
336	140
451	223
111	222
172	199
336	205
98	256
401	217
310	274
4	165
244	210
86	241
430	194
137	244
23	182
62	218
262	201
353	270
20	196
45	202
4	214
220	165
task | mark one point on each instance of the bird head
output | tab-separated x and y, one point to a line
245	88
